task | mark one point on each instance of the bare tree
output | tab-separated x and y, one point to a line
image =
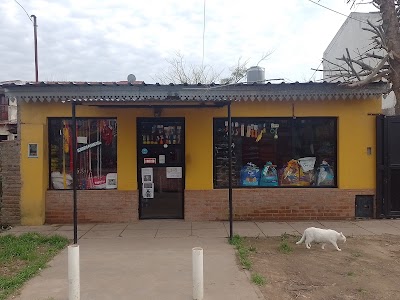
385	49
181	72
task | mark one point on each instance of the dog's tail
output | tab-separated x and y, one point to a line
302	238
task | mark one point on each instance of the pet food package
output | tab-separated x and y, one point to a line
325	175
306	170
250	175
290	175
269	175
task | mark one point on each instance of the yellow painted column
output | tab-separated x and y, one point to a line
33	175
126	151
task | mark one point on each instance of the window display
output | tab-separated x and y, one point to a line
270	152
96	153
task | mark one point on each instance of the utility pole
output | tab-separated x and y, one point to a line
36	54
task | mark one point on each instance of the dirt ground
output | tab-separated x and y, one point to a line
368	267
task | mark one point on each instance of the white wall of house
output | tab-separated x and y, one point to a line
12	111
352	36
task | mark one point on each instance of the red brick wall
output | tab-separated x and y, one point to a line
209	205
10	209
101	206
273	204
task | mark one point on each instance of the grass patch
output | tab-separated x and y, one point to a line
236	240
284	246
258	279
243	253
22	257
242	250
356	254
350	273
252	248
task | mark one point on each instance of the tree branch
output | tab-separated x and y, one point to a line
371	77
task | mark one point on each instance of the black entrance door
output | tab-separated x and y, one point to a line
161	157
388	166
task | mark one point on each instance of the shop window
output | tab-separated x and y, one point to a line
271	152
96	157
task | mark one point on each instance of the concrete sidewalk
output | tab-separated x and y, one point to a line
152	259
181	229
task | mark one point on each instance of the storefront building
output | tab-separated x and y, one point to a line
299	151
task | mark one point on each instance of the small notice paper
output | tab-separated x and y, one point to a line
174	172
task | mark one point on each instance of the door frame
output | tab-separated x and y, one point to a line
139	164
384	134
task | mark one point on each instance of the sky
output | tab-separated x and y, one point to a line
104	40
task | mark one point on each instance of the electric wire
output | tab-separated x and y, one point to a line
335	11
24	10
204	30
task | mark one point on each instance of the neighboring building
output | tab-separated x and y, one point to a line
8	115
351	35
161	151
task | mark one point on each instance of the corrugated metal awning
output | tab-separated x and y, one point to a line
117	93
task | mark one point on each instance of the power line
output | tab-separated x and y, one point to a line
204	30
337	12
24	10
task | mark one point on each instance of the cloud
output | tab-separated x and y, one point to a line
95	40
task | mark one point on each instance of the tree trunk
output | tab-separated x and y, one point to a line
391	27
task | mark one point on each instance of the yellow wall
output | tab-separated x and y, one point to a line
356	132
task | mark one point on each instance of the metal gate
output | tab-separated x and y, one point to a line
388	166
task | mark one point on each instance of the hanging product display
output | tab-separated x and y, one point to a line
260	135
274	130
106	133
99	181
66	148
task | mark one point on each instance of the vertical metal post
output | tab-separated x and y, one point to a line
36	51
230	170
74	171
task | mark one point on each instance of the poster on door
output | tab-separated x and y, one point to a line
148	190
147	175
174	172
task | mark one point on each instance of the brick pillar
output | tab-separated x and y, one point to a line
10	210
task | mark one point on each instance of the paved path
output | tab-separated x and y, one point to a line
181	229
152	259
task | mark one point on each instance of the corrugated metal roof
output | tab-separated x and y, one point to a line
142	92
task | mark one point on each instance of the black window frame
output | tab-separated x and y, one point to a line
271	118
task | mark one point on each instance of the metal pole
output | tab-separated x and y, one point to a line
36	52
230	170
74	172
